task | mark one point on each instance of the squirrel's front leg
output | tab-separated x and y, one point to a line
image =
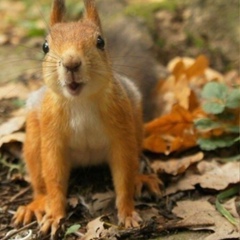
56	171
124	167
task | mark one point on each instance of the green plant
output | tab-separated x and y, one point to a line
72	229
19	167
221	197
220	128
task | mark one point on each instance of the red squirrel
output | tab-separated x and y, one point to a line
84	115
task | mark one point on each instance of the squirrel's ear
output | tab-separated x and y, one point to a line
91	12
58	11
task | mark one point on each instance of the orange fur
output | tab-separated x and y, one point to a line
58	13
100	121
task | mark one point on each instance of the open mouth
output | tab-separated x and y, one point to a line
74	88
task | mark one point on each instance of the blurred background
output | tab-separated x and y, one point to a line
176	27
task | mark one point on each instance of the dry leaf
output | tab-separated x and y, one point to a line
187	61
198	67
182	92
100	203
155	143
230	205
171	132
210	175
220	176
97	229
12	125
176	166
201	211
187	78
14	137
12	90
73	202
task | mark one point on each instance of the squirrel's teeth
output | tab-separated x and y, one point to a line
74	86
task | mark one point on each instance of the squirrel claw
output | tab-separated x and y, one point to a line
49	223
130	221
25	215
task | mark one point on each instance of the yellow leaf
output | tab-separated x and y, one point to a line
179	69
155	143
172	132
198	68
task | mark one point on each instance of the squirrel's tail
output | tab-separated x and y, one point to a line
131	51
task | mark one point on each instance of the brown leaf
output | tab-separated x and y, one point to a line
14	137
172	132
201	211
197	69
187	78
73	202
100	204
209	175
230	205
182	92
220	175
97	229
12	90
178	69
13	125
176	166
155	143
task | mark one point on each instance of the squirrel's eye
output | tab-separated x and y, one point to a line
45	47
100	43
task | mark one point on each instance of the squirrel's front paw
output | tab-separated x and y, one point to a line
129	220
51	223
25	214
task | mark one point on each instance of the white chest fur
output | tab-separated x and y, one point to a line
89	143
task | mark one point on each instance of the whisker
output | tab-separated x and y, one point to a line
31	48
126	66
42	16
127	55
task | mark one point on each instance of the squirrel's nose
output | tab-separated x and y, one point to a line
72	66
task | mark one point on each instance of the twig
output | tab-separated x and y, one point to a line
20	230
20	194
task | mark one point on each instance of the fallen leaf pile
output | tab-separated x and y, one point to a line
182	106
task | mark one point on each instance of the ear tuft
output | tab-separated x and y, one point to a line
58	11
91	12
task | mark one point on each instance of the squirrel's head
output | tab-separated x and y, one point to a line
76	61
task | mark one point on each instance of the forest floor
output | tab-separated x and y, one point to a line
193	178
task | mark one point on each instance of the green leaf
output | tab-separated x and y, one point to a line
213	143
72	229
206	124
226	194
237	139
213	107
215	95
214	90
233	99
233	129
